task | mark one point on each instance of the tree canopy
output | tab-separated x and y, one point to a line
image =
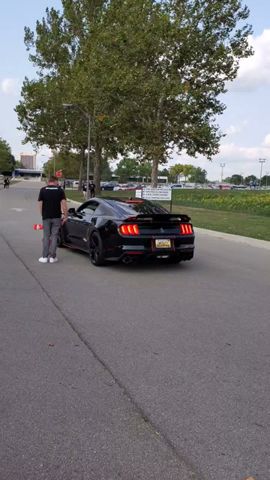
7	160
150	73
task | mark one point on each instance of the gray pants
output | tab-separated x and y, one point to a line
51	227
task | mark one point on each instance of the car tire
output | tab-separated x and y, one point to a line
96	251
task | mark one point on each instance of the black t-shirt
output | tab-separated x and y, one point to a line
51	197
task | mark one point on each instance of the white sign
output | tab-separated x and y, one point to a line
149	193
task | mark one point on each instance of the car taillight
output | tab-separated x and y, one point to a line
129	229
186	229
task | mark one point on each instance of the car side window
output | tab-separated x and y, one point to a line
88	208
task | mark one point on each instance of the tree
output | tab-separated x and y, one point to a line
236	179
176	170
186	170
68	162
44	121
251	180
55	49
144	170
18	164
266	180
149	72
7	160
126	168
199	175
172	61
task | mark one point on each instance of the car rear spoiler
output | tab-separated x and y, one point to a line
159	217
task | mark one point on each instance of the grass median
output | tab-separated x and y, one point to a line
248	224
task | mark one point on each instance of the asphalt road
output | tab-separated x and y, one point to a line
132	372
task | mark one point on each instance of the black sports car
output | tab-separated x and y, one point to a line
127	230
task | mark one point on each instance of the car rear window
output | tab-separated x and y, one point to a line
138	207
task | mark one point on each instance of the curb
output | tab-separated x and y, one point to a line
252	242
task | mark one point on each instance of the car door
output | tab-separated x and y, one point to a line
80	223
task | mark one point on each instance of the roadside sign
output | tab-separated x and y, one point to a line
159	194
59	173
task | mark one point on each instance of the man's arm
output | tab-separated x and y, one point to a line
40	201
64	209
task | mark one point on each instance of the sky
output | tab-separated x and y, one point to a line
246	121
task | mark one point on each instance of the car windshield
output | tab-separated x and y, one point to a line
142	207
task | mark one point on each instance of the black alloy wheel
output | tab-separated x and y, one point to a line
96	251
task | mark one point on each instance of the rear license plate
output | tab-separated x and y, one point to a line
163	243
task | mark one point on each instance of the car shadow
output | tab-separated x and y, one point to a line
140	265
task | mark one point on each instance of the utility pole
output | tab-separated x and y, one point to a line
261	161
222	165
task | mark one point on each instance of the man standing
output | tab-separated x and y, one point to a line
92	189
52	203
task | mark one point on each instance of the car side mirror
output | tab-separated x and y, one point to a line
71	211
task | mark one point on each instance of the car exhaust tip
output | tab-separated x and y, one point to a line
127	260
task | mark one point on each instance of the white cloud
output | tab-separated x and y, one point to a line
43	155
234	129
9	86
267	141
254	71
237	159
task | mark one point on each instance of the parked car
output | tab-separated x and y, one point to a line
177	186
239	187
107	186
127	230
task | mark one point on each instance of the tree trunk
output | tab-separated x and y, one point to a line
97	167
158	150
154	174
82	154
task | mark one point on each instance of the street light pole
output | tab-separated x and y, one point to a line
88	155
222	165
88	116
261	161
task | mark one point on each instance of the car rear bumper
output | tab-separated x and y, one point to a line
137	252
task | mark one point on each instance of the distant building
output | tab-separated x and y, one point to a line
27	173
29	160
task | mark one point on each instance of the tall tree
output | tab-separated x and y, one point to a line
149	72
58	52
172	60
7	160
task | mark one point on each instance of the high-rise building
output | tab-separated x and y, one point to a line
28	160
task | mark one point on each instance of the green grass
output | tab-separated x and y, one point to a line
244	201
234	222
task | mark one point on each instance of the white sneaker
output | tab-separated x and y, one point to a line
43	260
53	260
